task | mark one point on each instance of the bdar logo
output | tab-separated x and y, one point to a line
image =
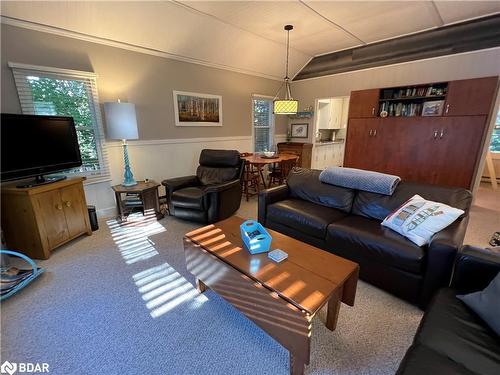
8	368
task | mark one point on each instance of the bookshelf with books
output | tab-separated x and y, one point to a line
411	101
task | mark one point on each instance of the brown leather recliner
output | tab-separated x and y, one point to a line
213	194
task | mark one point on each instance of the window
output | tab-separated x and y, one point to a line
263	124
47	91
495	137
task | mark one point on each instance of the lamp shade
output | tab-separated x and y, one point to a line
285	107
121	122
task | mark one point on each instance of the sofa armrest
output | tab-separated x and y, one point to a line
474	269
222	187
441	254
269	196
173	184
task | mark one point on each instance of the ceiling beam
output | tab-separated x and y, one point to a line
481	33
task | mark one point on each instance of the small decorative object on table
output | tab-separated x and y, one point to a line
277	255
255	237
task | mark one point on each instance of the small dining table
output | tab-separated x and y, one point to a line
260	162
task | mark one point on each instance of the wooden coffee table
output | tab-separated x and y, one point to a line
281	298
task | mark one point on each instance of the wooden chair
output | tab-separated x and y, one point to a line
251	180
278	175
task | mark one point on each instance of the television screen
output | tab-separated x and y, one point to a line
36	145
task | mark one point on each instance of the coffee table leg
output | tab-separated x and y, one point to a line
296	366
200	286
333	310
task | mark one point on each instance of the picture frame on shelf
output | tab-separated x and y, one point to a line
195	109
300	130
433	108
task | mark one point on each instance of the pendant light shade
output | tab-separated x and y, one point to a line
287	105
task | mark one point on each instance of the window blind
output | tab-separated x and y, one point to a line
263	124
52	91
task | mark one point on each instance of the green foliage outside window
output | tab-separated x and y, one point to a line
495	137
68	98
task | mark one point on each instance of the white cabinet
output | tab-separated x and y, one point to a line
328	155
330	113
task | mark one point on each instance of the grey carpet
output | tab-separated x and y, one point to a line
121	301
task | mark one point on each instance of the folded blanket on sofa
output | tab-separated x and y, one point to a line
359	179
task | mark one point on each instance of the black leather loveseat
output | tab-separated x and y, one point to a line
452	339
347	223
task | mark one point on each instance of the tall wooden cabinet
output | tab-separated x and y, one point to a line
36	220
443	150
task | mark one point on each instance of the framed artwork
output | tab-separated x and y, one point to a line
195	109
299	130
433	108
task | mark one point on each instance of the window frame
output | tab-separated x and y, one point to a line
272	134
90	81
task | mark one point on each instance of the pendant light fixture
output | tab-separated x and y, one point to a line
286	106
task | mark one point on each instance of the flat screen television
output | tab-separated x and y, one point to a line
37	145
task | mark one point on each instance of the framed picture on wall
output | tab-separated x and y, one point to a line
433	108
195	109
299	130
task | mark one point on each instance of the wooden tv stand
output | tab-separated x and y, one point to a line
38	219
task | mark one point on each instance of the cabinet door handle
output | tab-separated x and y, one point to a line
441	134
371	132
375	133
435	134
373	110
447	108
59	206
67	203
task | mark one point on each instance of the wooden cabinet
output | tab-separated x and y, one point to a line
36	220
441	150
364	103
364	147
470	97
303	150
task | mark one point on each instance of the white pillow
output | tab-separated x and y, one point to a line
418	219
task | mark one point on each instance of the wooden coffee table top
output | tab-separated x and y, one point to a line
306	279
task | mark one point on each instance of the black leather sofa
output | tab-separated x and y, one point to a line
213	194
347	223
452	339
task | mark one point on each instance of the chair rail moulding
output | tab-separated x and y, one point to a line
196	109
151	142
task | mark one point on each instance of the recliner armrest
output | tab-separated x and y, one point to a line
269	196
222	187
474	269
173	184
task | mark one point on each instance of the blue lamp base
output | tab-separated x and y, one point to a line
128	176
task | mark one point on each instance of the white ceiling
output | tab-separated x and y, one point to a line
246	36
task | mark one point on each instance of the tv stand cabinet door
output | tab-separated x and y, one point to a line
75	210
51	220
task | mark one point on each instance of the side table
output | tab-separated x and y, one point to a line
143	197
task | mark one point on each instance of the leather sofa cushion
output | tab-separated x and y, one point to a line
421	360
305	184
450	328
370	240
190	197
378	206
303	216
215	176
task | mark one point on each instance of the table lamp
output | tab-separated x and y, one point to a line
122	124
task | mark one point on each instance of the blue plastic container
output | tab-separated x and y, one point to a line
255	237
